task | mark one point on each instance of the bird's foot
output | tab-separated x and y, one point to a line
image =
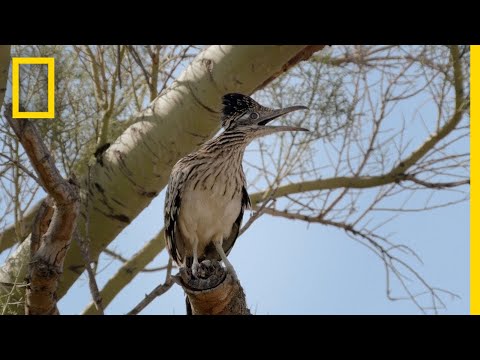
195	268
202	270
210	274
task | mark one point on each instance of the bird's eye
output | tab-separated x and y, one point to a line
254	116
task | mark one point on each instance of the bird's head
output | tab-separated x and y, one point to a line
241	111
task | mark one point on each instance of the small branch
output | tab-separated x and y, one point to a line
115	255
124	260
139	62
92	282
159	268
9	284
23	168
159	290
437	185
84	244
253	218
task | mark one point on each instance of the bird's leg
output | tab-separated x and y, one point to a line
195	264
228	265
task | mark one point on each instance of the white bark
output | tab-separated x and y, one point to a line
137	165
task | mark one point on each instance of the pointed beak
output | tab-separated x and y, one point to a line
265	118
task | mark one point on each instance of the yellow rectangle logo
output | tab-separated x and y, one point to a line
474	206
16	113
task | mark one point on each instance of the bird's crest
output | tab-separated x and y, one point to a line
234	106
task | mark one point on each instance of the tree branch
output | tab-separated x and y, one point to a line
437	185
48	252
122	259
305	54
84	245
159	290
214	291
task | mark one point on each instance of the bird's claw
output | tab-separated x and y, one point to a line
207	268
195	268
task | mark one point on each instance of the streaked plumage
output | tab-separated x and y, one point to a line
206	194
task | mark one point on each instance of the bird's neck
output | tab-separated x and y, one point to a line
228	143
229	146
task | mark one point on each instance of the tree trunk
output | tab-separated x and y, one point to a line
136	167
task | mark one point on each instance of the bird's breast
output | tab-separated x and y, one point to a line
209	211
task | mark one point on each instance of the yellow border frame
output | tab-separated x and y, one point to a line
474	200
16	113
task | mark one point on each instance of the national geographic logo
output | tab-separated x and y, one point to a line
16	113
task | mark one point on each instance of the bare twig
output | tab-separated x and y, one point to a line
159	290
92	282
24	169
437	185
84	243
122	259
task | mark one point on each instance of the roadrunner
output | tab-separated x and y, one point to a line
206	193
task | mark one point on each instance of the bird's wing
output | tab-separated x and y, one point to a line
230	241
173	238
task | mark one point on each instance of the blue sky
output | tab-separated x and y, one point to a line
288	267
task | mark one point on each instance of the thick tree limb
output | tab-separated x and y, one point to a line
48	250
